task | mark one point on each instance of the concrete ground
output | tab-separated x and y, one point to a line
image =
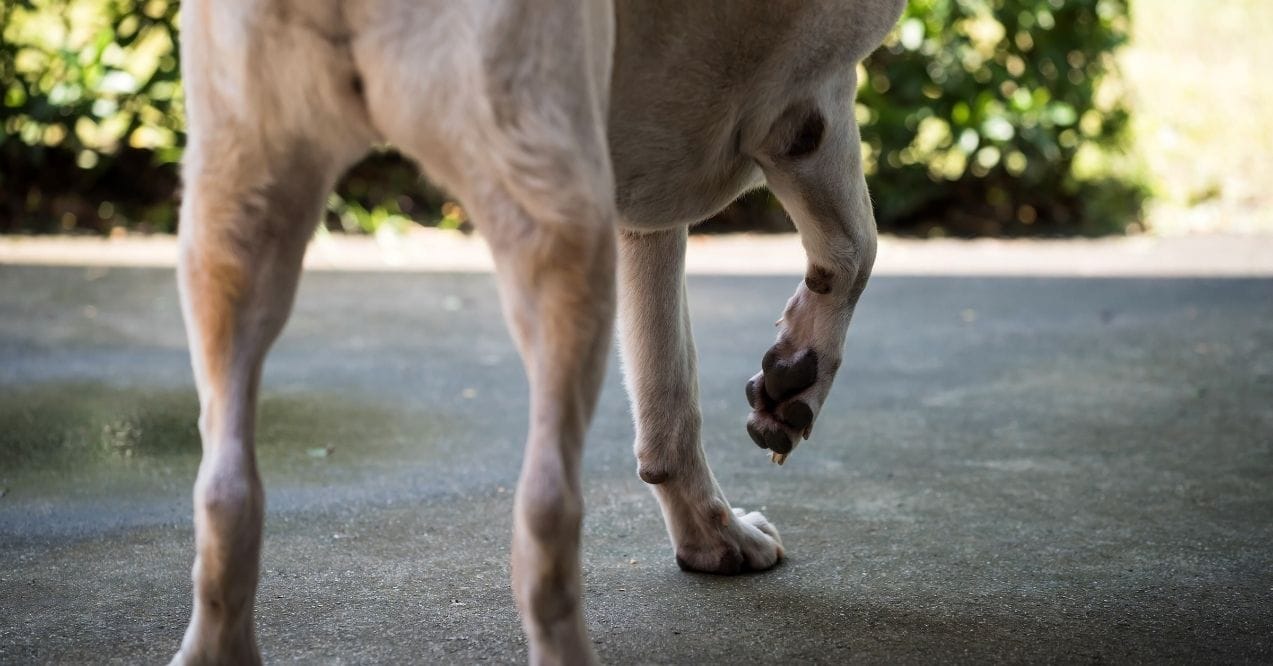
1011	467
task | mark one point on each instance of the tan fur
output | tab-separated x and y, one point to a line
555	123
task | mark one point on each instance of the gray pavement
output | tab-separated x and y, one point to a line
1009	469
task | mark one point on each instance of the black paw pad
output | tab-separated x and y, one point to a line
797	414
756	396
769	435
787	377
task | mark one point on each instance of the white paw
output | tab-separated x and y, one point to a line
743	542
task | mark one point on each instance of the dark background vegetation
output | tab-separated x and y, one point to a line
1000	117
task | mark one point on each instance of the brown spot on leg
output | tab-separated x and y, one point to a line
808	137
818	279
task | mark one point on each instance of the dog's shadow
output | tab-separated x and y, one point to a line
800	611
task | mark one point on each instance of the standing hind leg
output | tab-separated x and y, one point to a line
267	139
520	139
244	225
557	287
245	220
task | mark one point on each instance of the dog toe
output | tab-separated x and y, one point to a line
769	434
785	377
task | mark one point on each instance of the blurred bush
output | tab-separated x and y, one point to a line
91	115
978	117
999	117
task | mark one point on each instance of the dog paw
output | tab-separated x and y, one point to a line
786	395
744	542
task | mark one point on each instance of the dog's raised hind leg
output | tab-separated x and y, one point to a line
661	374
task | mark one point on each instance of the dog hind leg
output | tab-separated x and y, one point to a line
244	226
273	120
557	285
519	137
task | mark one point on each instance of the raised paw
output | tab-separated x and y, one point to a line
785	397
743	543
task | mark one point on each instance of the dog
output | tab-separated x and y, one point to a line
584	137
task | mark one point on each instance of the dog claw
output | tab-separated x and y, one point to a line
778	458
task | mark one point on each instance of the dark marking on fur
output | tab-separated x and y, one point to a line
787	377
819	279
808	137
355	84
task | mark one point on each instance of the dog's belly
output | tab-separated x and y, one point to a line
677	189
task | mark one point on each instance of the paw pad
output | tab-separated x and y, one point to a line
782	412
787	377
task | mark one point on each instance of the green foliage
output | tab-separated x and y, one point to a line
91	107
978	116
998	116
